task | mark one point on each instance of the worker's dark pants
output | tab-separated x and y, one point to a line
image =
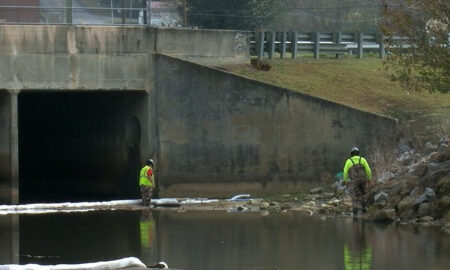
146	195
358	191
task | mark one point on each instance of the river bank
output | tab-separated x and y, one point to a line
416	190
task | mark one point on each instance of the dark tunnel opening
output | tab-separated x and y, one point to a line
79	146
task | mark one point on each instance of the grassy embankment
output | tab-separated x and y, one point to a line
363	84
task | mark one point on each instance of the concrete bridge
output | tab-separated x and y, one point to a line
82	107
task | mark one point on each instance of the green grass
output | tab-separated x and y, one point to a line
362	84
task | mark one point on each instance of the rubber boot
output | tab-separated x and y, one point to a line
355	211
363	206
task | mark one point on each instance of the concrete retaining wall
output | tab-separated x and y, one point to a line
204	46
5	154
223	133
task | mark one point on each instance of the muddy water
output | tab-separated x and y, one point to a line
220	240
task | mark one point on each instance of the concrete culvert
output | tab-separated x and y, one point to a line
76	146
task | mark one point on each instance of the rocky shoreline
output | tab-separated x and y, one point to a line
415	190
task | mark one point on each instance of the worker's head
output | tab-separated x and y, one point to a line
149	162
354	151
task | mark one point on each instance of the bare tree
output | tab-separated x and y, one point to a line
421	58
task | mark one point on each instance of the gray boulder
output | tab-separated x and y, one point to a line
424	210
429	146
406	207
428	196
385	215
443	207
426	218
316	190
443	186
382	196
443	147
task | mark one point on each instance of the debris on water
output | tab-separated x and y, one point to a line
166	202
241	197
111	265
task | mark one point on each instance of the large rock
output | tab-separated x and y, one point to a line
381	200
385	215
443	206
424	210
405	207
402	186
426	219
441	156
442	148
428	196
420	170
436	171
443	186
430	147
316	190
382	196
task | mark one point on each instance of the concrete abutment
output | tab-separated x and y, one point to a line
84	107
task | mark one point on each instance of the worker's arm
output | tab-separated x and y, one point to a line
347	166
367	168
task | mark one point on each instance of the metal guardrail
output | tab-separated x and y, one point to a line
264	44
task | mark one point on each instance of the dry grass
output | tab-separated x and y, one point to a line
362	84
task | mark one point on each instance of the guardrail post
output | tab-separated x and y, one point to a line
316	37
69	18
283	45
360	45
381	41
260	45
338	40
294	44
144	12
122	11
272	44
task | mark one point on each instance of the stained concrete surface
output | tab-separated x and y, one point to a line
220	128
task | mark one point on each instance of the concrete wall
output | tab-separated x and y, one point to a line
204	46
66	57
5	154
103	57
223	133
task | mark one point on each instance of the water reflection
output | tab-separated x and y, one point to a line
357	253
220	240
146	228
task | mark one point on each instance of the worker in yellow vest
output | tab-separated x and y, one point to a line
147	182
358	173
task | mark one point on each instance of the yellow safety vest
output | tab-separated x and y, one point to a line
143	179
146	232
